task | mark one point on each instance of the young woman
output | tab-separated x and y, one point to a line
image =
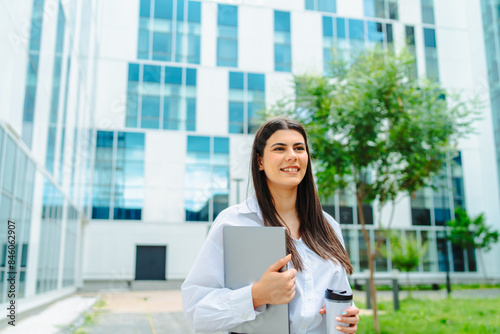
285	195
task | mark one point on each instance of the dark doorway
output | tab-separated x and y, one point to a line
150	262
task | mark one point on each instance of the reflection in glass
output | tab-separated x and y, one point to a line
227	35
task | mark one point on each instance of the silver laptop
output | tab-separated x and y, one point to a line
248	252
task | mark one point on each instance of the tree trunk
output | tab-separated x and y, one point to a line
371	261
408	284
482	265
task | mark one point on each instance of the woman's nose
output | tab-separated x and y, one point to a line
291	155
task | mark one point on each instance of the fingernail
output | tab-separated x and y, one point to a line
338	318
343	313
338	328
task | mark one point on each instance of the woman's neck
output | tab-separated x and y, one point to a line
285	204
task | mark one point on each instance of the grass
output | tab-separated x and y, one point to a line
87	319
438	316
428	287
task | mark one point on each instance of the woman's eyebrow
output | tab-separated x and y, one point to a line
283	144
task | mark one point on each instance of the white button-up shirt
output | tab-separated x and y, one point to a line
209	307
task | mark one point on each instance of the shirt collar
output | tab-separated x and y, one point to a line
250	206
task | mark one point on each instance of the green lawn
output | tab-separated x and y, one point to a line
438	316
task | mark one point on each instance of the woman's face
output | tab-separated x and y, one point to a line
284	159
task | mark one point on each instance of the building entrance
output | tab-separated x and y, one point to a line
150	262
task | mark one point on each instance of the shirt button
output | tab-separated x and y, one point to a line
245	316
303	327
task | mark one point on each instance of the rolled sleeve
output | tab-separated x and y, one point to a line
242	305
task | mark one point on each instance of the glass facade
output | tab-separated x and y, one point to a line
491	28
282	42
161	97
411	47
17	179
350	36
227	35
247	96
118	184
169	30
56	90
35	40
206	182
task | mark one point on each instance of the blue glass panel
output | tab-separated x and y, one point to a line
61	24
282	58
356	30
164	9
143	44
162	46
388	28
236	112
193	53
310	4
191	115
133	72
369	6
327	26
190	76
194	11
327	6
429	37
171	113
375	33
104	139
227	15
145	8
151	73
198	144
99	212
173	75
180	10
235	80
227	52
256	82
221	145
281	21
131	140
340	28
127	214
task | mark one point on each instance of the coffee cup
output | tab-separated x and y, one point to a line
336	302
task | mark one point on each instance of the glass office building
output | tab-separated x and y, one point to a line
122	137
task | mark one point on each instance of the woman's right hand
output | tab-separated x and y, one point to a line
275	287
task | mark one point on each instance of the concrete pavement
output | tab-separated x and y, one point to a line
157	311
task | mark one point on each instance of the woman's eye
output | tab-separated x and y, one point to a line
279	149
300	148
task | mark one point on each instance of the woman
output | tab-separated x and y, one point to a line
285	195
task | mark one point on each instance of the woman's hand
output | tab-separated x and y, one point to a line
348	316
275	287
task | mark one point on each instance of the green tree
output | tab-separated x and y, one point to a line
466	232
375	127
405	254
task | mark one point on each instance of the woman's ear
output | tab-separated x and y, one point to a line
259	162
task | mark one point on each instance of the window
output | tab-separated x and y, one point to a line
384	9
168	37
161	97
282	42
32	71
421	208
247	95
322	5
227	35
118	185
207	177
431	58
410	45
129	176
427	11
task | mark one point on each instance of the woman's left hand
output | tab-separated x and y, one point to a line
348	316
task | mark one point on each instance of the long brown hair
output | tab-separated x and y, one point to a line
314	229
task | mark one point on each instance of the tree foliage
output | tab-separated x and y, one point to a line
374	126
467	232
